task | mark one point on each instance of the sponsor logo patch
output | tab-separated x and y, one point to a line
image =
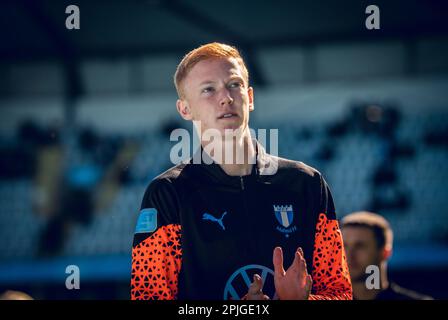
147	221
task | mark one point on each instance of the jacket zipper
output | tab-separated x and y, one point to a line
243	194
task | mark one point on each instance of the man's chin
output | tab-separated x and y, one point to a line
231	132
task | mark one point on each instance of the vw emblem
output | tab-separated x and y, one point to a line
239	282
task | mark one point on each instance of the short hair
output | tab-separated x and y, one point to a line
15	295
204	52
378	224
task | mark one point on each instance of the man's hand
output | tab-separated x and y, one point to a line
294	283
255	290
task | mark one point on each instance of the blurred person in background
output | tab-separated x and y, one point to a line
368	240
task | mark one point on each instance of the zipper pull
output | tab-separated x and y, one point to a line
242	183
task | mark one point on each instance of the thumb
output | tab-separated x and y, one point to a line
256	286
277	260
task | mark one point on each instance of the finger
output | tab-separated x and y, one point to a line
256	286
295	265
302	262
309	285
309	282
278	261
258	281
298	266
303	255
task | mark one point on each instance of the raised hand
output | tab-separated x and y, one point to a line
256	290
294	283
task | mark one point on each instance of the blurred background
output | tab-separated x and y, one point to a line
86	117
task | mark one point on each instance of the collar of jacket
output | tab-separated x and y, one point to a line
264	166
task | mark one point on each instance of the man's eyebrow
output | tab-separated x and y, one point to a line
206	82
236	77
232	77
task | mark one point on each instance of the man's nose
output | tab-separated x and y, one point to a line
226	98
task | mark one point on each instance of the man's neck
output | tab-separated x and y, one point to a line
241	156
360	291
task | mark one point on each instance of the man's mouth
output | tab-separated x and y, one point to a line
227	115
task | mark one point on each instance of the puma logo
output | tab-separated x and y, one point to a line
207	216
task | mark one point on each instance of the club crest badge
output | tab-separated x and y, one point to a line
285	217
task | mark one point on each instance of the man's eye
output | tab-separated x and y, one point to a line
207	89
235	85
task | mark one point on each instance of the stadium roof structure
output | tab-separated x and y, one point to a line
35	29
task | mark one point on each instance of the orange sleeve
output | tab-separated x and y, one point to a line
331	278
156	264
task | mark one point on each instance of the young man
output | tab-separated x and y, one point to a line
214	230
368	241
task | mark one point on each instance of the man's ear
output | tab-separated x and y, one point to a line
183	109
386	253
250	93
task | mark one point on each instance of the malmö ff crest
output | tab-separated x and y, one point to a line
285	217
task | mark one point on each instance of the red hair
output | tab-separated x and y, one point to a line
204	52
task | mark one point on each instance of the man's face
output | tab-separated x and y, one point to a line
361	250
216	94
